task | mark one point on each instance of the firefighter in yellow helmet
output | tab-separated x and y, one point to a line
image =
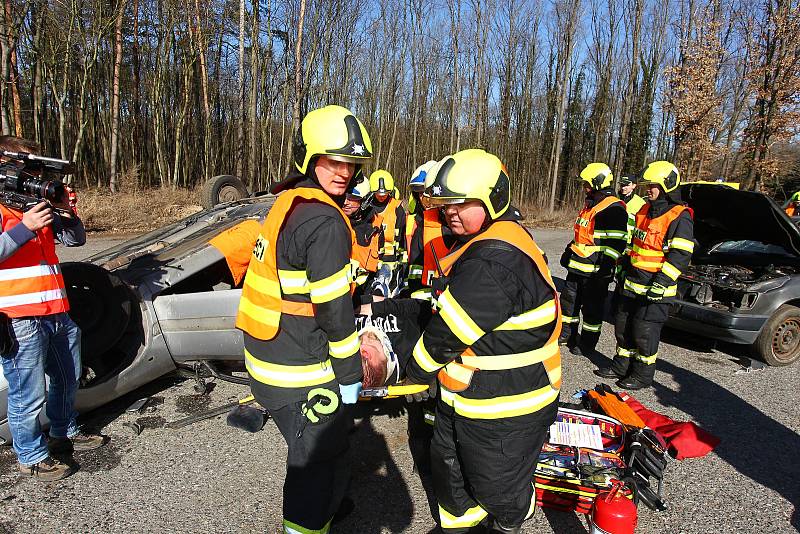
296	312
390	216
493	346
661	247
591	259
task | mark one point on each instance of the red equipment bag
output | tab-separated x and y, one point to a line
569	478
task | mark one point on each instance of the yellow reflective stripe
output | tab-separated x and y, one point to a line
422	294
541	315
501	362
568	319
586	250
258	313
289	376
626	353
424	359
641	289
294	528
470	518
591	327
649	360
583	267
332	287
293	282
457	319
611	252
566	490
609	234
670	270
499	407
647	252
414	272
554	374
262	284
344	348
639	264
681	244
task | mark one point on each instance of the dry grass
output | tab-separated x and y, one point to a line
135	211
539	217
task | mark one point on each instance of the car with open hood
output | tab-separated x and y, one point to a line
743	284
161	301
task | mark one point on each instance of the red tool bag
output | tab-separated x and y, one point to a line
569	478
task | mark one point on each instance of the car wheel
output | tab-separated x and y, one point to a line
100	304
779	341
224	188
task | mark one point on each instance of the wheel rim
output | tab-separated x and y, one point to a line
228	193
786	340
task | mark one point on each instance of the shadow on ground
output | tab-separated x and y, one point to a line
745	432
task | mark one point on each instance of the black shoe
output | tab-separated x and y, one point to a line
576	350
608	372
632	383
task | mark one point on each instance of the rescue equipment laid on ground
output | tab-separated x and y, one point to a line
612	513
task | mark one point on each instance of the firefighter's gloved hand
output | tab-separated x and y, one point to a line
656	292
350	392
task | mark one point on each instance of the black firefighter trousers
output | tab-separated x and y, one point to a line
483	470
317	466
637	327
586	295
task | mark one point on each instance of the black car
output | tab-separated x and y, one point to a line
743	285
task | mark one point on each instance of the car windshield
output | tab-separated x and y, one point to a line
748	247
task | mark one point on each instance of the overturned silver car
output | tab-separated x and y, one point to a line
161	301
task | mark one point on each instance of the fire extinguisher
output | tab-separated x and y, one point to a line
613	513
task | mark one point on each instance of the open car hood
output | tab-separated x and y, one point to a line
726	214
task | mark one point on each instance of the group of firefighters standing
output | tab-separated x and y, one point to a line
491	349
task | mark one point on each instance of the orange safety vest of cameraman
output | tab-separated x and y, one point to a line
31	284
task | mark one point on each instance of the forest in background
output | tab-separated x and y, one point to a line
149	93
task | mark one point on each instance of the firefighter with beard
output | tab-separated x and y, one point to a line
493	344
296	312
591	259
662	245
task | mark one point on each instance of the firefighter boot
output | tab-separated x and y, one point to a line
569	333
620	366
587	341
643	369
497	528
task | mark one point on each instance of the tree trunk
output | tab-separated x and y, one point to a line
298	87
112	174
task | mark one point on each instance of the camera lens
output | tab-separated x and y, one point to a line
47	189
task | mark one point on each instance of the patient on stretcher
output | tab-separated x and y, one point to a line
388	331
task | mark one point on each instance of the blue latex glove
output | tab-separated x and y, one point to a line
350	392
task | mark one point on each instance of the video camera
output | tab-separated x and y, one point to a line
21	189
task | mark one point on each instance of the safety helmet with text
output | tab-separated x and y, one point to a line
331	131
471	174
662	173
597	175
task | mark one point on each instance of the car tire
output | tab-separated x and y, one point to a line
100	304
220	189
778	343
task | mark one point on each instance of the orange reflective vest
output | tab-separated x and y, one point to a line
647	246
31	284
237	244
583	243
456	376
262	302
432	235
791	209
388	219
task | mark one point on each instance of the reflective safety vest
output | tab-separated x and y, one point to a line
583	244
432	236
456	376
31	284
388	220
649	245
262	302
236	244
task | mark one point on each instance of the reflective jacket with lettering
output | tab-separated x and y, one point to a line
661	247
493	342
600	235
296	309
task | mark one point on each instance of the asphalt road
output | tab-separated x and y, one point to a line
209	477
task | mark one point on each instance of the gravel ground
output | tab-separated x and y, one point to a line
210	477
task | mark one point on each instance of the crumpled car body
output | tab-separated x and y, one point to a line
743	284
162	300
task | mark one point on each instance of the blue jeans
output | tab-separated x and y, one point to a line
44	345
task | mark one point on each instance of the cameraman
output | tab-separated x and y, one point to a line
37	337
